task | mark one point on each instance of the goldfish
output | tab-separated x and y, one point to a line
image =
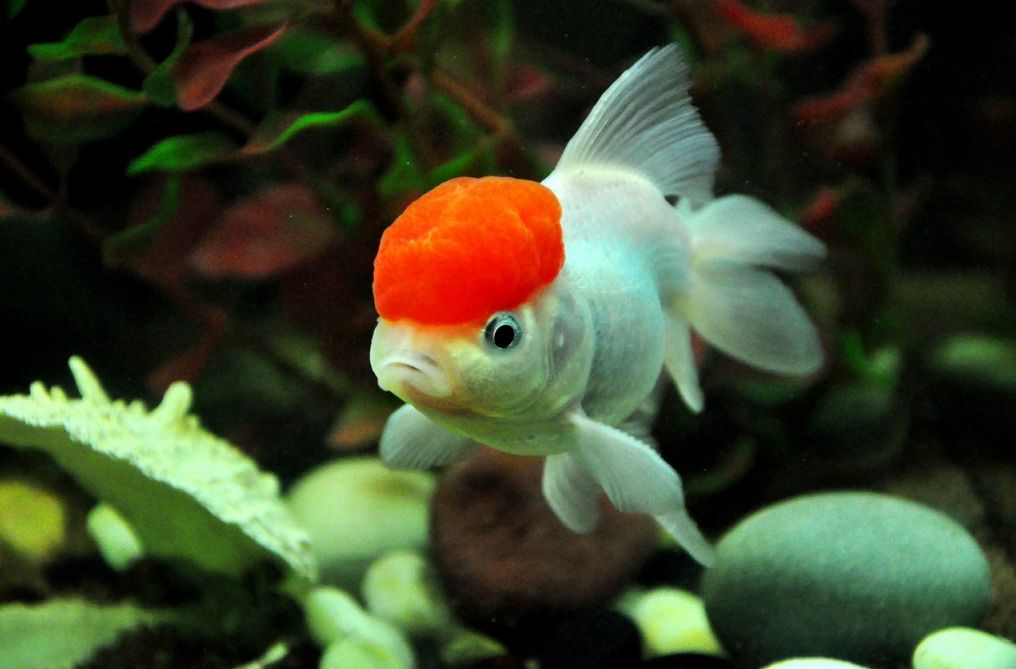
537	317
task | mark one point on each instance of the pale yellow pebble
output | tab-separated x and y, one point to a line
356	653
115	538
333	616
671	620
356	510
402	589
813	663
31	519
964	648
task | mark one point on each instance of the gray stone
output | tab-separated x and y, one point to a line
853	575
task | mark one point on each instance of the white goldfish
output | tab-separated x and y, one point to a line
537	318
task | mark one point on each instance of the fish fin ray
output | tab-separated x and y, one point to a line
743	229
679	360
637	480
411	441
749	314
646	123
571	492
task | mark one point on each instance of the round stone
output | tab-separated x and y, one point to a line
813	663
505	558
356	510
964	648
854	575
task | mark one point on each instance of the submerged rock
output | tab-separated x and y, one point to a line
853	575
964	648
356	510
504	556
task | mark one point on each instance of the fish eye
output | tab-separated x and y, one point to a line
503	331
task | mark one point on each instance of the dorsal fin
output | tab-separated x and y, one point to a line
645	123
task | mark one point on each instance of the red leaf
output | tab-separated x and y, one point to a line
146	14
820	210
205	67
164	258
525	83
782	32
264	234
870	80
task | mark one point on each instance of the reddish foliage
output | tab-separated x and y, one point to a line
525	82
869	81
205	67
163	260
265	234
146	14
782	32
817	213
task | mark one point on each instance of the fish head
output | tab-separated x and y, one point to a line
527	363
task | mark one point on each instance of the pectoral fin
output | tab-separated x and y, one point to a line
411	441
571	492
638	480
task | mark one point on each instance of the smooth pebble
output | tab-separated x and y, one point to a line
356	510
671	620
854	575
814	663
964	648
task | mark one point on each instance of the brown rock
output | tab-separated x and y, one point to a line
503	555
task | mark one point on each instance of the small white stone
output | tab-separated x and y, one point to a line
333	617
360	654
116	539
356	510
813	663
402	589
671	620
964	648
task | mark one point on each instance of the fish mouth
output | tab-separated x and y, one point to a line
414	374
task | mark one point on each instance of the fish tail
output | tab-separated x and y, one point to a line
734	299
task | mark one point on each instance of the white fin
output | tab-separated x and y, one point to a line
679	360
571	492
638	480
411	441
645	123
749	314
745	230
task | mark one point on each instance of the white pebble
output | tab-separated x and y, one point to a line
402	589
671	620
964	648
813	663
116	539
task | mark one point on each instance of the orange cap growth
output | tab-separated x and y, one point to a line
468	248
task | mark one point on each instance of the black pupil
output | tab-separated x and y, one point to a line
504	335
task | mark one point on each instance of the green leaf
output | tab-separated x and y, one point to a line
76	108
312	53
94	35
187	493
160	85
279	128
62	633
184	153
14	7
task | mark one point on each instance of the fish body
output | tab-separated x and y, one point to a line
537	318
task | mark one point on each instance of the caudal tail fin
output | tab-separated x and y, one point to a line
735	300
